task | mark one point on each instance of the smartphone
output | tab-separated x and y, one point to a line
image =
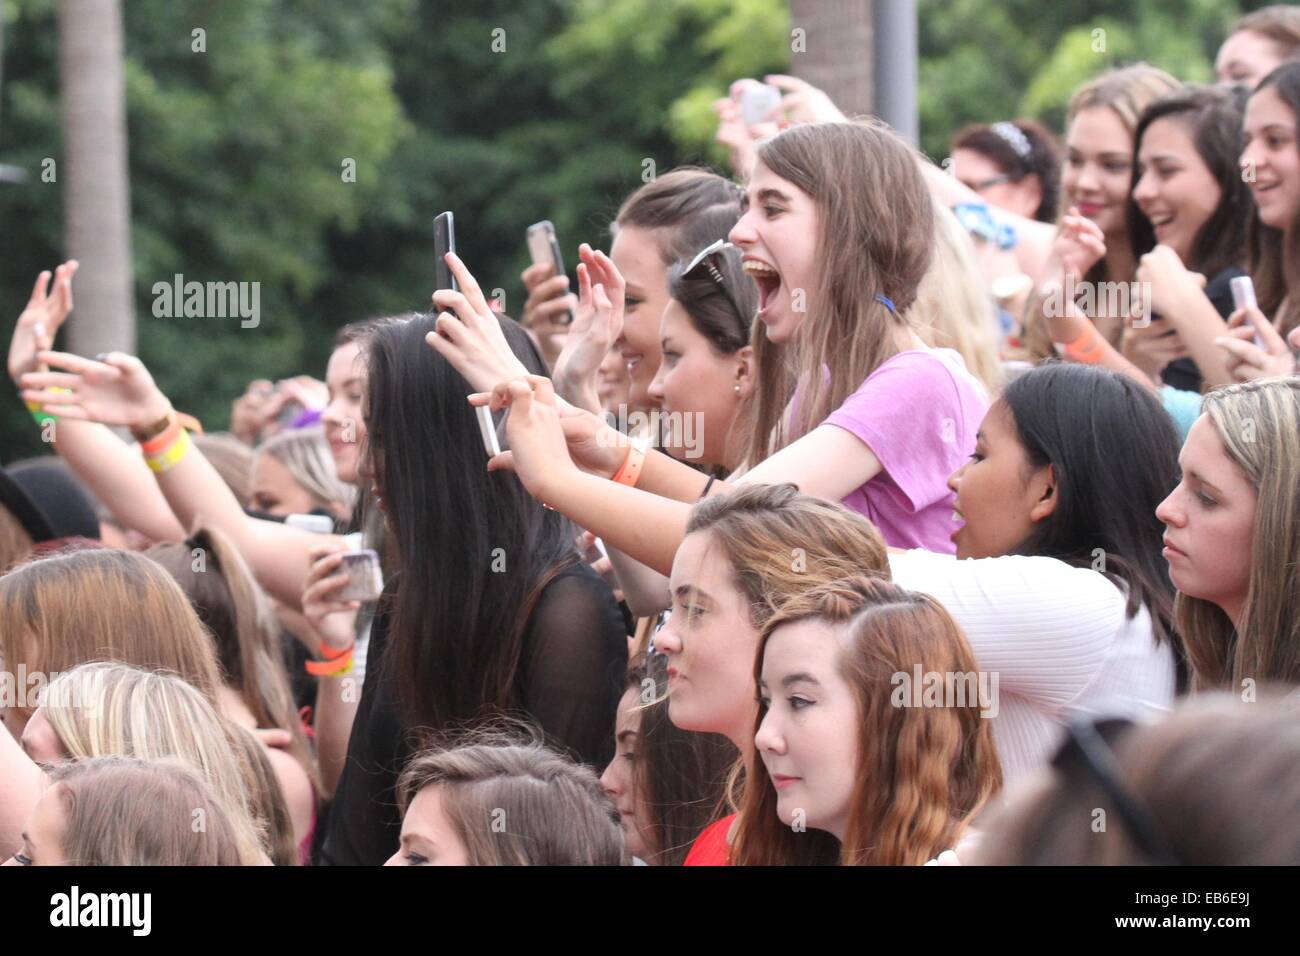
365	580
491	444
757	101
544	247
1243	297
444	241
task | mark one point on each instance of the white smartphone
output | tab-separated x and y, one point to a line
757	101
1243	297
491	444
365	579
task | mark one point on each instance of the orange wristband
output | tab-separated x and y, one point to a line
1086	349
333	668
332	654
630	473
163	438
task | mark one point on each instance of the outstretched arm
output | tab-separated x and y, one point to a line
120	391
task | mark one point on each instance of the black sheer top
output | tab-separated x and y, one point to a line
570	681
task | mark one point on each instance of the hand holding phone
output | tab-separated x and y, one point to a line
1243	297
491	444
757	101
543	247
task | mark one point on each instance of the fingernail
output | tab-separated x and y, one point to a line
101	356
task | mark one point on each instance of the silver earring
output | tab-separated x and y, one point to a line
737	387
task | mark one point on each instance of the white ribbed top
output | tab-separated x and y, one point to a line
1058	640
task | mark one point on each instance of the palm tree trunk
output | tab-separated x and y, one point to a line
96	196
838	57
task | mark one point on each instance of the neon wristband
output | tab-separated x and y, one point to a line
169	457
630	473
38	410
1087	348
333	654
335	668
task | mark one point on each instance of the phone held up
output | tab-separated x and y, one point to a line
365	579
444	241
1243	297
544	247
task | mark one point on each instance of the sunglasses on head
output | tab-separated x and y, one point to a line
1088	748
704	265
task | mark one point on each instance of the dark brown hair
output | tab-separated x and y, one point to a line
680	776
1212	116
1041	159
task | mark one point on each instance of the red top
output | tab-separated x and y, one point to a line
710	847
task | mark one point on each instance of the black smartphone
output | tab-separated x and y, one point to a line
544	247
444	241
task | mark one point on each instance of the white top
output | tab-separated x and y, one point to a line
1057	639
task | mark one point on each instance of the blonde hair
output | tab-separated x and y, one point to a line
953	308
233	607
1259	424
306	456
232	459
121	811
115	710
102	604
553	810
1126	90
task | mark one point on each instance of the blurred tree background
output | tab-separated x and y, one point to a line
504	111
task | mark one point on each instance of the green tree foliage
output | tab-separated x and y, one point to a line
505	112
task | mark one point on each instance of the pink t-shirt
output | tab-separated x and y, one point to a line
918	413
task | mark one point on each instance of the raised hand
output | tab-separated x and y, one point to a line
1246	360
469	336
538	451
1172	284
803	102
117	391
46	311
1079	245
597	324
548	309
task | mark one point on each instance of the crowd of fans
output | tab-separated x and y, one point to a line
855	510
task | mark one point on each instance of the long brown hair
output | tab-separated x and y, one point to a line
231	605
922	772
103	605
1259	425
120	811
1274	253
778	542
875	232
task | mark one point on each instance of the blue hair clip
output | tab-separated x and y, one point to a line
887	302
